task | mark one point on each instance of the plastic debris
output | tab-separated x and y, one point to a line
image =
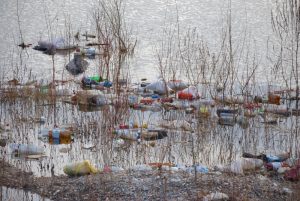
177	85
138	134
159	87
90	97
190	93
241	165
50	47
276	165
26	149
80	169
77	65
142	167
216	196
197	168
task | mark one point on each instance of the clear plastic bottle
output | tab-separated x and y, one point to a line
27	149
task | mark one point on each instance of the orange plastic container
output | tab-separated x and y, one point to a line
274	99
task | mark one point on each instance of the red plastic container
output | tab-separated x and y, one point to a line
185	96
166	100
123	126
147	101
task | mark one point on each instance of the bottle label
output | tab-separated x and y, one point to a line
55	133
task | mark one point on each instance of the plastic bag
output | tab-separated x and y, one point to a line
59	43
177	85
190	93
80	168
158	86
77	65
216	196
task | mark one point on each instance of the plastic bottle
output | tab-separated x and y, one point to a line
185	96
166	100
91	51
155	96
26	149
147	101
123	126
226	112
121	132
42	119
96	78
227	120
65	137
276	165
276	158
44	132
106	83
44	89
198	168
56	135
274	99
54	141
131	125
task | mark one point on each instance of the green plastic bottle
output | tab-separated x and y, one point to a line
96	78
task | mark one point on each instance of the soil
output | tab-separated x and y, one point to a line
152	185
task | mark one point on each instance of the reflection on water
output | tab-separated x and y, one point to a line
209	143
11	194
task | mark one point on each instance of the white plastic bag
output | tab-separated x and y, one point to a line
177	85
158	86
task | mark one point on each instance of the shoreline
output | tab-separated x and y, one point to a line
151	185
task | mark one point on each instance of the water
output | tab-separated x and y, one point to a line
8	194
210	144
146	20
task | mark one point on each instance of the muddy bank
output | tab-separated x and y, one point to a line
154	185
